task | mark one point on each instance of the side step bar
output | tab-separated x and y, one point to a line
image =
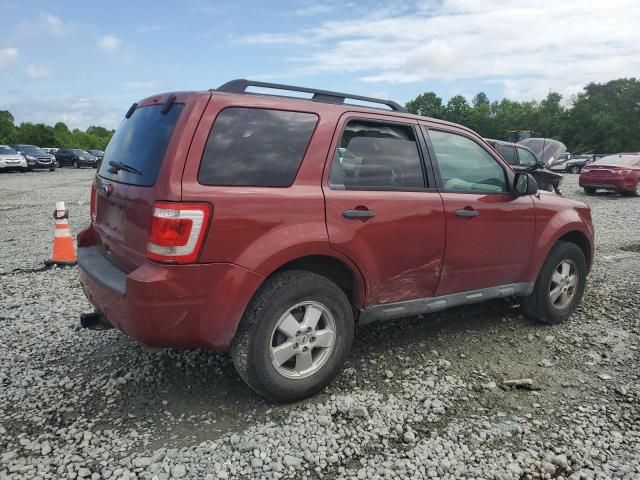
94	321
389	311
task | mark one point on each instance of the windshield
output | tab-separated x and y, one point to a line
80	152
31	150
95	152
628	161
7	151
140	142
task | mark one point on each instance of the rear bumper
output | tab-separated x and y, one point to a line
181	306
607	183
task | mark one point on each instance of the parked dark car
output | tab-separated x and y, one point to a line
577	163
523	159
76	158
218	221
36	157
99	154
620	173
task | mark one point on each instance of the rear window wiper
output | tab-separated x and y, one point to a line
115	166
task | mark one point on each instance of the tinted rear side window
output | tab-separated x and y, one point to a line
509	154
141	142
256	147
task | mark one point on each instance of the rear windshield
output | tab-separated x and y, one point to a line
140	143
628	161
256	147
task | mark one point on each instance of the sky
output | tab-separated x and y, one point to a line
85	62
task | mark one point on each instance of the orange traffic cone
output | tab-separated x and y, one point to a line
64	253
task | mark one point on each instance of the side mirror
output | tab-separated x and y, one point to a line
524	184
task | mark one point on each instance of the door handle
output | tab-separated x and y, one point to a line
467	213
358	214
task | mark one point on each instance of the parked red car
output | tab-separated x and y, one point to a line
271	226
620	173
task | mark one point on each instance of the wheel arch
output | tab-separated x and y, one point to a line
339	271
580	239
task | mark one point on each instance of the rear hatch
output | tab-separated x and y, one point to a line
143	164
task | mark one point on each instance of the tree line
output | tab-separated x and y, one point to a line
603	118
60	136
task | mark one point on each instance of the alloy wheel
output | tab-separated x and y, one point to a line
302	340
564	284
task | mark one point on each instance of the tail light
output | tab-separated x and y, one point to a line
177	231
92	203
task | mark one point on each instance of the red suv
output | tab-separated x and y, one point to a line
272	226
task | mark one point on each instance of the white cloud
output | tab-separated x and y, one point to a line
528	46
81	104
274	39
313	9
109	43
74	111
151	28
54	24
8	56
140	84
37	71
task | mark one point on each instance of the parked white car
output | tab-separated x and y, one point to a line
12	160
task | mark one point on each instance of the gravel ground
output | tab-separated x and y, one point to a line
420	398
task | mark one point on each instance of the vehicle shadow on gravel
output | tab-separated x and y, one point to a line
196	395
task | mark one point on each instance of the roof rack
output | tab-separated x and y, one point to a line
240	86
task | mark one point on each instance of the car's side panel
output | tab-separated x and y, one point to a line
495	246
263	228
555	219
400	250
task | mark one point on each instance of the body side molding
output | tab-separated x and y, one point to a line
389	311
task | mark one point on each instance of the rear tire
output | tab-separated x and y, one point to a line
541	304
589	190
275	326
574	169
52	169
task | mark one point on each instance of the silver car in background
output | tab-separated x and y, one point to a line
12	160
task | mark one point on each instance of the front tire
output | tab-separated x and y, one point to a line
559	286
294	336
589	190
574	169
633	193
76	164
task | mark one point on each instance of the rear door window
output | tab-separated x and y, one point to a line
509	154
140	142
377	156
256	147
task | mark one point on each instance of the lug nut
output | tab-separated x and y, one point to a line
304	349
312	339
308	329
298	333
295	345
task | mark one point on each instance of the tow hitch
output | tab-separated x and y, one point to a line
94	321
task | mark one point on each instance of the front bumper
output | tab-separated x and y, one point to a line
180	306
34	164
13	165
